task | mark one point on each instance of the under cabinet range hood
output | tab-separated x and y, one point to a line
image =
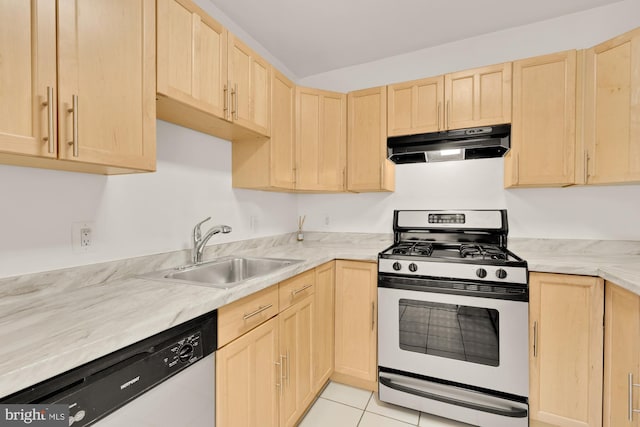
461	144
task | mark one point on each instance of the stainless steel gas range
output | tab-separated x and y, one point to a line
453	318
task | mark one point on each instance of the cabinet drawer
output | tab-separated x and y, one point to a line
245	314
296	288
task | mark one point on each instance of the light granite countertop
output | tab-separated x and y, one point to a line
55	321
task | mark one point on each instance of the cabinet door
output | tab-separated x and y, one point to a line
283	94
247	379
621	356
367	166
478	97
106	61
566	316
323	325
612	110
27	77
543	132
296	331
192	56
356	324
321	135
250	86
415	107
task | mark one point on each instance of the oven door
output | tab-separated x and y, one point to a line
456	337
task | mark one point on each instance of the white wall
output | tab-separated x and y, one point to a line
134	215
587	212
579	30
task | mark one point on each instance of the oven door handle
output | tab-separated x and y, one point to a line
513	412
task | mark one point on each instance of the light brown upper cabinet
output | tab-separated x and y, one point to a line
367	166
208	79
415	107
612	110
249	87
478	97
321	140
269	164
543	131
95	114
192	57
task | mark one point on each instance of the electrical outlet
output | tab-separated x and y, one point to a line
83	236
327	220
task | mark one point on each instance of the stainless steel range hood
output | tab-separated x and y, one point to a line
460	144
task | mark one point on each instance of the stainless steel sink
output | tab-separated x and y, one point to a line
225	272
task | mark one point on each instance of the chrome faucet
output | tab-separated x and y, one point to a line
199	241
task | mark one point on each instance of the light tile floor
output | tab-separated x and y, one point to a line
343	406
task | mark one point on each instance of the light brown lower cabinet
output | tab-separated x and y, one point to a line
566	356
296	340
271	366
247	379
621	357
356	324
323	324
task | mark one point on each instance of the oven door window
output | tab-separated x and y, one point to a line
452	331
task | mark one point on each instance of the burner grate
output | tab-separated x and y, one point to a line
482	251
413	248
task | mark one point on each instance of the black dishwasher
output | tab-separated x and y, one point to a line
165	380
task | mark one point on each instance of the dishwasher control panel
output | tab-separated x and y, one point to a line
184	352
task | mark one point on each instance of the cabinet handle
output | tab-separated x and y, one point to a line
279	385
631	386
235	92
288	368
232	101
586	166
447	114
535	339
75	112
297	291
373	315
439	108
344	178
225	109
50	136
256	312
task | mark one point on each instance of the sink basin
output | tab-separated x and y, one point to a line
224	273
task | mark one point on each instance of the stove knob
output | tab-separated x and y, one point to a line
397	266
481	273
413	268
501	274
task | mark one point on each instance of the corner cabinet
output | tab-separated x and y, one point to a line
321	140
96	114
612	110
566	349
621	357
356	324
367	166
543	131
